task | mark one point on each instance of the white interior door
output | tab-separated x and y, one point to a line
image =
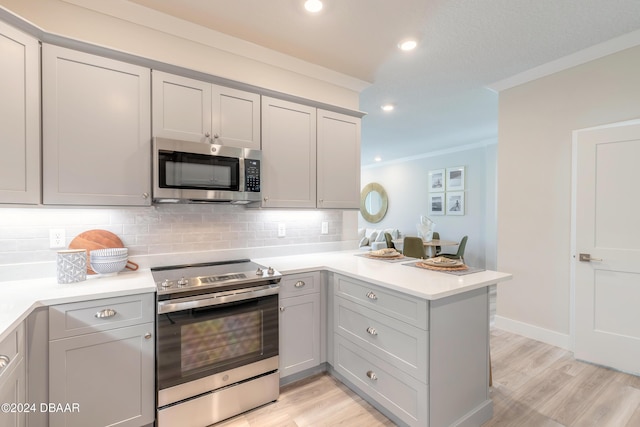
606	203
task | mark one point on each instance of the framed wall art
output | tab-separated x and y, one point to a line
436	204
455	178
436	180
455	203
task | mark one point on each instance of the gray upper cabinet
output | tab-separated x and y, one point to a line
193	110
96	130
338	160
20	117
311	158
288	154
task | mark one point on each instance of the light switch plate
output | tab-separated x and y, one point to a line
325	227
282	229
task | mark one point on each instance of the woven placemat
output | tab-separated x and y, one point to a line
469	270
400	258
438	268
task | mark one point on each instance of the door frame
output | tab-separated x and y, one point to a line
574	188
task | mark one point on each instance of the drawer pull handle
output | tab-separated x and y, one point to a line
372	296
147	336
106	313
299	284
4	361
372	331
372	375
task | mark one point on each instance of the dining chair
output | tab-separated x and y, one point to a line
436	236
413	247
460	254
389	240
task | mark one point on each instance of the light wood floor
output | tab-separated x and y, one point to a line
534	385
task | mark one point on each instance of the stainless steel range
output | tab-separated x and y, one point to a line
217	340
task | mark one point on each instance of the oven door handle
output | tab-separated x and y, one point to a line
171	306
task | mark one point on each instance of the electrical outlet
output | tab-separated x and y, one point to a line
325	227
56	238
282	229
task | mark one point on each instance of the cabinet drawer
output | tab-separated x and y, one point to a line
66	320
395	304
398	392
403	345
300	284
12	348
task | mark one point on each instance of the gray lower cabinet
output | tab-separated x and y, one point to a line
423	363
300	323
101	362
13	379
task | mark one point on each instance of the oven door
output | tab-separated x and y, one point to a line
199	342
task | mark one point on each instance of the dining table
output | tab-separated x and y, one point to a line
430	245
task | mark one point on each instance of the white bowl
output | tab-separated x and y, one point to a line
110	252
106	267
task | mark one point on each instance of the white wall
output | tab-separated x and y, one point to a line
129	28
406	185
534	187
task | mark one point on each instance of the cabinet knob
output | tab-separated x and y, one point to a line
4	361
147	336
216	136
372	331
372	375
299	284
281	309
266	199
207	134
145	195
106	313
372	296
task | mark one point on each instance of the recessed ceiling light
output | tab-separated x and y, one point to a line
407	45
388	107
377	158
313	6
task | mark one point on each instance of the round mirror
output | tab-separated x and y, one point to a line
373	202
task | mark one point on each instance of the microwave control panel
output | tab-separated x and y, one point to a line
252	175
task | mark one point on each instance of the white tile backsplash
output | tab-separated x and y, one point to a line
163	229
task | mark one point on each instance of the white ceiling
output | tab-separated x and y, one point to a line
440	89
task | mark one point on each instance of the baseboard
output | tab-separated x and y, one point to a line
534	332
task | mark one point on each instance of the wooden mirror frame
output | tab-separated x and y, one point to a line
375	216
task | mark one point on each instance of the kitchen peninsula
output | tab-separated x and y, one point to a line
413	342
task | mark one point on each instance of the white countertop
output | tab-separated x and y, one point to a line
20	298
427	284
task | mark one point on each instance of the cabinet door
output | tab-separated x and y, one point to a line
109	375
338	160
13	378
288	154
19	117
96	130
13	390
299	333
181	108
235	117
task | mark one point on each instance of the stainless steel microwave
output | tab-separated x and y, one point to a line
195	172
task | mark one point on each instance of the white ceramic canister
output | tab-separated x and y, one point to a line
72	265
